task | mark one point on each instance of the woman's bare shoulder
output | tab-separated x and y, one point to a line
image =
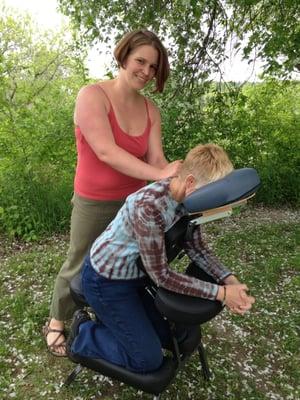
93	92
92	89
92	99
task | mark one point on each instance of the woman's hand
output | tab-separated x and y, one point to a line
171	169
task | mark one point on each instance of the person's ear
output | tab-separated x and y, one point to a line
190	184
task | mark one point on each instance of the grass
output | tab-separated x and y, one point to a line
252	357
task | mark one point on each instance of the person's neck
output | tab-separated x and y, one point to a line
124	92
176	190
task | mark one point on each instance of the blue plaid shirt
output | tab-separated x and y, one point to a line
138	230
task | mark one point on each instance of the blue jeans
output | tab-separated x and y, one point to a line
130	331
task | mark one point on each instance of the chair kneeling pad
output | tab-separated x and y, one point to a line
152	382
186	309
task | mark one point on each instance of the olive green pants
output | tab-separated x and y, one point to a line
88	220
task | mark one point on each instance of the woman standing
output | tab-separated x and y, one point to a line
119	148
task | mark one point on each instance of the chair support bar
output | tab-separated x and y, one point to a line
217	213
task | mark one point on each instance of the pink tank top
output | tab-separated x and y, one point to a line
95	179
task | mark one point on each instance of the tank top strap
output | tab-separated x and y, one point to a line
106	95
148	112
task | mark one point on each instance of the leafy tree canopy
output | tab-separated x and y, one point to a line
197	32
39	75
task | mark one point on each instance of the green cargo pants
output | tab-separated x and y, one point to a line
88	220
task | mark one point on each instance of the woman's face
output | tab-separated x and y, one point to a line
140	66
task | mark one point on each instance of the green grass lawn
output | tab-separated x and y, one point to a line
251	357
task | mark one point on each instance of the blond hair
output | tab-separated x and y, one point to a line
207	163
143	37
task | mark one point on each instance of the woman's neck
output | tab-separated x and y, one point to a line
123	91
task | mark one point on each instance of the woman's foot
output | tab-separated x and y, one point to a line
54	335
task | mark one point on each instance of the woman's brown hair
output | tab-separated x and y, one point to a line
143	37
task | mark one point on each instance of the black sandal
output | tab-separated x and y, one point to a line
53	347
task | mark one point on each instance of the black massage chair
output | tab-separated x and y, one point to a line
208	203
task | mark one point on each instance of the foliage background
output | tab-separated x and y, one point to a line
258	124
41	73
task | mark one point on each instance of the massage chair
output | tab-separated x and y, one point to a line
210	202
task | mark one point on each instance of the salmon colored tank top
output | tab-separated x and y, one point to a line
95	179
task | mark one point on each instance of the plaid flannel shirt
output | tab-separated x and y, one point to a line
138	230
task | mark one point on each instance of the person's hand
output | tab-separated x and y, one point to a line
249	301
231	280
237	299
171	169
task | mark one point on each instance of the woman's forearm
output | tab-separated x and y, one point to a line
130	165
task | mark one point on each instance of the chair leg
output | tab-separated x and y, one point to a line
176	352
73	375
204	363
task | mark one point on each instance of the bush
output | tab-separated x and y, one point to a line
40	76
34	206
258	124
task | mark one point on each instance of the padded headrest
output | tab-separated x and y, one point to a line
237	185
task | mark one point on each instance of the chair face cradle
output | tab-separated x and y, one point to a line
210	202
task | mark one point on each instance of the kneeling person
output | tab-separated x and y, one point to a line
130	332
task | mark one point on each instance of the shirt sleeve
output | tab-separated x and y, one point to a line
198	251
149	232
